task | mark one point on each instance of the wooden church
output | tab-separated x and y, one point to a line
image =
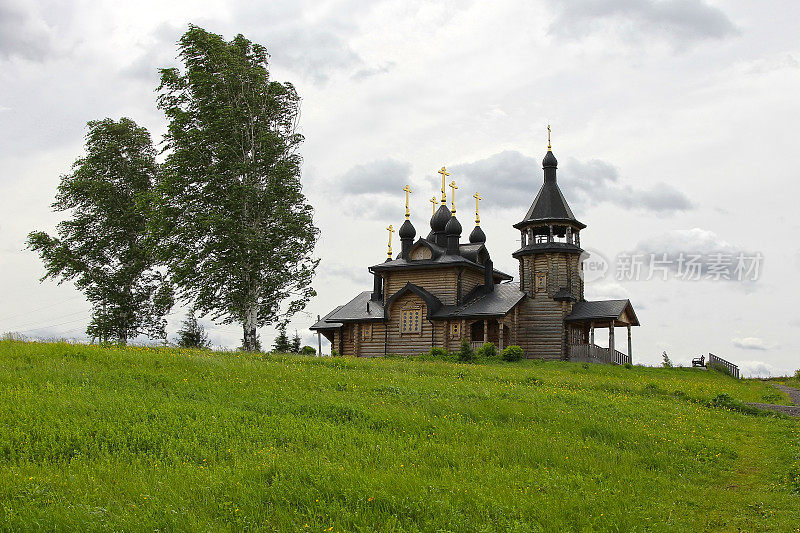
439	290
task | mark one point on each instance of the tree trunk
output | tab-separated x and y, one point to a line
249	326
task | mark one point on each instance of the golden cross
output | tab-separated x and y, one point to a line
391	230
433	201
408	191
478	198
444	174
548	138
453	187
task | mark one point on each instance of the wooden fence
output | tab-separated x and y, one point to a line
713	359
592	351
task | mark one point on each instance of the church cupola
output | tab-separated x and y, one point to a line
407	231
453	227
477	236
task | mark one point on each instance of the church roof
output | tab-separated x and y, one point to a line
481	303
354	310
550	204
601	310
326	323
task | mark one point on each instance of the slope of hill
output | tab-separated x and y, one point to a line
98	438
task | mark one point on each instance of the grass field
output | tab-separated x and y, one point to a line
135	439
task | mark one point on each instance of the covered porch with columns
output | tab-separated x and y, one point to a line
586	318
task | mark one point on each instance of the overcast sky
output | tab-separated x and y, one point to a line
674	123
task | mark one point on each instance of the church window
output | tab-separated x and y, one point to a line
411	320
541	282
455	330
366	331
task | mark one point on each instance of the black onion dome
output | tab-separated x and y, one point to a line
477	236
549	160
440	218
453	226
407	230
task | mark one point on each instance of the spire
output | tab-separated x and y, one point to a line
477	236
390	229
407	231
549	163
444	174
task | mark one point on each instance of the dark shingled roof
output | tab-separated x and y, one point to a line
444	260
563	247
601	310
324	323
356	310
550	204
481	303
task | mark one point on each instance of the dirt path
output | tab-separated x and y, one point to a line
791	410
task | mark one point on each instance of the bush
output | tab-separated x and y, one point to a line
487	351
465	353
727	402
513	353
797	374
437	353
667	361
308	350
628	366
334	353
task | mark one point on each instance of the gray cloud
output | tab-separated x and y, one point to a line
695	254
514	179
23	34
375	177
681	22
750	343
368	72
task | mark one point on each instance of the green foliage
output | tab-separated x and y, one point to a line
628	366
308	350
513	353
667	362
334	352
487	351
104	246
797	374
158	439
236	229
725	400
192	334
437	353
719	367
465	352
282	344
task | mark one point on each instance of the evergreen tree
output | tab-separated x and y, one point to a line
296	343
282	344
105	246
237	231
192	334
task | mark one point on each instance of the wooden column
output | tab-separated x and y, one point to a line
485	331
630	345
591	339
611	339
514	332
356	338
500	328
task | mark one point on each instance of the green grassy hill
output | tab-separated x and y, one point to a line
142	439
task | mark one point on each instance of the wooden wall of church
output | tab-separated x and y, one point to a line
408	343
540	328
441	282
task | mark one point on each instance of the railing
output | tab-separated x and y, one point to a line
593	351
733	369
475	344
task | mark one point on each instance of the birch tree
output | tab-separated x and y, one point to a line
235	227
104	246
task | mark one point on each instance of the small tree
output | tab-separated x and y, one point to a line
667	363
192	334
104	245
296	343
308	350
465	352
282	344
